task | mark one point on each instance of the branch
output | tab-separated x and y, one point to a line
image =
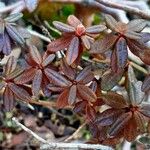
48	145
126	8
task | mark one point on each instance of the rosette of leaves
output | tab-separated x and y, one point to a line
128	116
10	33
12	90
75	36
122	36
73	86
36	71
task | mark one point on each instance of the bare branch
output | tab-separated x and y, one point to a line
48	145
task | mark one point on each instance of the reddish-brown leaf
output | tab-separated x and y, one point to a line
68	70
120	123
19	92
10	65
72	94
48	60
107	117
36	83
54	88
59	44
26	76
90	113
8	99
133	35
73	50
95	29
73	21
103	45
86	41
63	27
86	93
57	78
140	121
35	55
62	100
114	100
85	76
109	80
121	54
111	22
130	131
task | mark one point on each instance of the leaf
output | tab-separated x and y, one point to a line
107	117
54	88
72	94
13	17
73	21
95	29
90	113
62	100
140	121
8	99
6	44
86	41
36	83
80	106
109	80
145	55
31	4
104	44
134	88
85	76
19	92
57	78
68	70
122	53
137	25
145	109
120	123
63	27
48	60
35	55
73	51
15	73
145	37
133	35
26	76
114	100
14	34
111	22
130	131
59	44
10	65
146	84
86	93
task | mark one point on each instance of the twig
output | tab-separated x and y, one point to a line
47	145
42	103
126	8
76	133
39	35
28	130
